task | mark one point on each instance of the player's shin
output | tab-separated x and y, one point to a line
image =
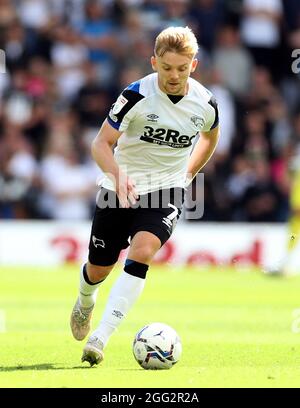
123	295
87	289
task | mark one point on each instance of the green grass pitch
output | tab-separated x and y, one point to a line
235	327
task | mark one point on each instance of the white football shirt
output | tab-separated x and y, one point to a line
158	133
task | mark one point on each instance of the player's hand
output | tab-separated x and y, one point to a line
126	192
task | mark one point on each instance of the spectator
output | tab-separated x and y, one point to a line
67	197
93	100
99	36
15	46
260	30
256	144
206	17
68	57
175	13
70	12
279	124
262	202
227	114
7	14
18	173
241	178
34	13
230	53
262	89
135	45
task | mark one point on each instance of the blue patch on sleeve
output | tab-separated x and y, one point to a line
113	124
135	86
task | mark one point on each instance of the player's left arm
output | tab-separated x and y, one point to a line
202	152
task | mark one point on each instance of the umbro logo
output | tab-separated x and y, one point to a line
118	314
152	117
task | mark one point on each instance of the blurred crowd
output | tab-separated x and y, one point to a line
67	60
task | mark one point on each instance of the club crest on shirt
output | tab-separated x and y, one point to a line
119	105
198	121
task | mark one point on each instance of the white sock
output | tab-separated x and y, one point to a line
87	291
123	295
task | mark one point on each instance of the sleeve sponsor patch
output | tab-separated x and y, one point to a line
120	103
112	116
120	113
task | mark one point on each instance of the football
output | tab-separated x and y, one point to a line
157	346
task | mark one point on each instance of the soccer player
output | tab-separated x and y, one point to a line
153	124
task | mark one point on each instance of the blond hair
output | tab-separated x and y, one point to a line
180	40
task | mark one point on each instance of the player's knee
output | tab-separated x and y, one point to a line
96	273
143	254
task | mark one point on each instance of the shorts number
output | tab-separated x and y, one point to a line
174	213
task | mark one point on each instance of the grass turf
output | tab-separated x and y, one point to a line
236	330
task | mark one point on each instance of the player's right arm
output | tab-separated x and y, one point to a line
202	152
102	153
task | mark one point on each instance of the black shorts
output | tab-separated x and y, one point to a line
156	212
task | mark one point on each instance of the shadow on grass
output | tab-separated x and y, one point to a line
40	367
129	369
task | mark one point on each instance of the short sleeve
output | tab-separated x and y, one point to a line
123	110
212	118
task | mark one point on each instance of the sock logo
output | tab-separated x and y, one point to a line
118	314
98	242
